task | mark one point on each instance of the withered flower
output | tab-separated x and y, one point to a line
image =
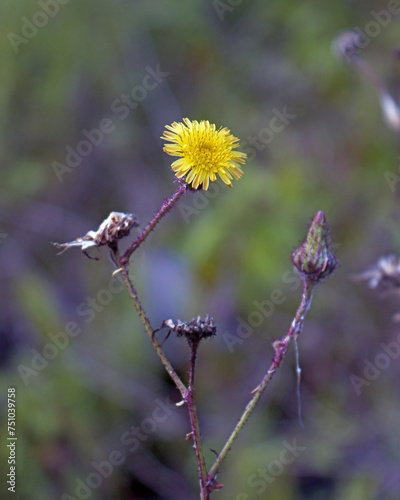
385	273
194	331
111	230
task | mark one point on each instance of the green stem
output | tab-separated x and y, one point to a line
146	322
280	347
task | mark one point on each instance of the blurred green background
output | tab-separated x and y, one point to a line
237	64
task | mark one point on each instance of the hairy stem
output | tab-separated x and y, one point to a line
280	347
146	322
165	207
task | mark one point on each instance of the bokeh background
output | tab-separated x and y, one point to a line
237	64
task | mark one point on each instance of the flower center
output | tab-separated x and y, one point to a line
205	153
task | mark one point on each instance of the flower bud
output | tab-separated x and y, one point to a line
314	259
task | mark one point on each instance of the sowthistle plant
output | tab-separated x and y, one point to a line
206	152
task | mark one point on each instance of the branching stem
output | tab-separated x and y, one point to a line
146	322
280	347
165	207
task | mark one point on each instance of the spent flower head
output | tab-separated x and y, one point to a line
347	45
111	230
195	330
204	152
385	273
314	259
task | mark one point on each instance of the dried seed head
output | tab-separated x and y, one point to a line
347	45
314	259
111	230
385	273
195	330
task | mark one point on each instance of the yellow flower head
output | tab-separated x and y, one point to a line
204	152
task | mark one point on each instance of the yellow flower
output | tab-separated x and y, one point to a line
204	152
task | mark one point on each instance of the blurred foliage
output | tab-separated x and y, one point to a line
236	67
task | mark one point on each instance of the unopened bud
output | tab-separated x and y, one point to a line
314	259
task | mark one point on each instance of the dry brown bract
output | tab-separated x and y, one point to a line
111	230
386	273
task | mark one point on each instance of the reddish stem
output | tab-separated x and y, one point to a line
164	209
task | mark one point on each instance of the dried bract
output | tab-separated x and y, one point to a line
194	330
111	230
347	45
385	273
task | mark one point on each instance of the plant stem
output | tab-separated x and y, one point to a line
146	322
165	207
390	109
280	347
188	394
194	422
